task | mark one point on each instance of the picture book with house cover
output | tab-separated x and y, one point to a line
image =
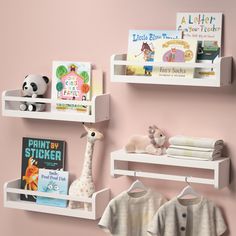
207	29
71	81
39	153
175	50
141	48
52	181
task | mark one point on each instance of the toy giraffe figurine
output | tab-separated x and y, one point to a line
84	186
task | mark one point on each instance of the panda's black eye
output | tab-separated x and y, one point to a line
161	135
93	134
23	85
34	86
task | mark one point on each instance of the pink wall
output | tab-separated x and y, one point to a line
33	33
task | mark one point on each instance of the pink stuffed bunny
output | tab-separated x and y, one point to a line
153	143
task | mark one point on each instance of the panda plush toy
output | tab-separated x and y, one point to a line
34	86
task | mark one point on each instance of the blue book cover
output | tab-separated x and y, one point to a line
52	181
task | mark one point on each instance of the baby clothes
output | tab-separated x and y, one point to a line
180	140
129	214
188	217
205	149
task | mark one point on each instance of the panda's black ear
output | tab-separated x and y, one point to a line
46	79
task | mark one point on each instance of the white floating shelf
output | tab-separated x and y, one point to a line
99	108
120	160
99	201
222	68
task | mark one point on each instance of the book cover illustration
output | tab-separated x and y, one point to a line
71	81
141	48
39	153
207	29
175	50
52	181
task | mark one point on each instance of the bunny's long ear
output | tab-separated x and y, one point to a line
151	130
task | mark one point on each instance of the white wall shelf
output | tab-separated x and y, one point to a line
222	68
99	108
99	201
120	160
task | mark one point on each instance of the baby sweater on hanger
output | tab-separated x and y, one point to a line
188	217
129	214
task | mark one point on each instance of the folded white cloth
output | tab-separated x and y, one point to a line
194	158
180	140
218	148
192	153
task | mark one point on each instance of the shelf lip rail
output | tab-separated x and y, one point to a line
51	195
120	59
98	108
8	97
98	201
222	76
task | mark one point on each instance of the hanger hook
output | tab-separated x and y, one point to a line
186	179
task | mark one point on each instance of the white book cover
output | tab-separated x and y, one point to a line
52	181
141	48
175	50
71	81
205	27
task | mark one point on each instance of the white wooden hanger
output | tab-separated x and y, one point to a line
137	184
188	190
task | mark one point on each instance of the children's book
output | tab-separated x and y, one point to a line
141	48
71	81
175	50
97	82
207	29
39	153
52	181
